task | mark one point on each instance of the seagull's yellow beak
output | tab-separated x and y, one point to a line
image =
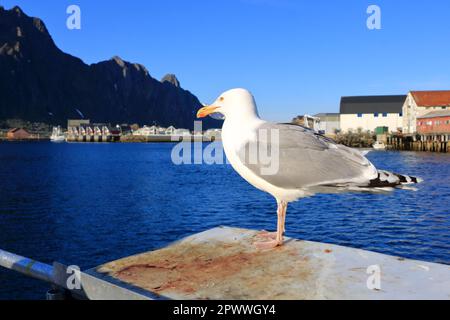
207	110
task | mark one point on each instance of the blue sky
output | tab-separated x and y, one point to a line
295	56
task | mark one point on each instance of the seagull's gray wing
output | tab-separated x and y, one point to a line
305	158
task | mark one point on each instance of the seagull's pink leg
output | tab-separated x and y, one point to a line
283	220
278	241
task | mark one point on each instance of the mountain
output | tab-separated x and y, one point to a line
40	83
171	78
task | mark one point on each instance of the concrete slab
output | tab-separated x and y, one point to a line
222	263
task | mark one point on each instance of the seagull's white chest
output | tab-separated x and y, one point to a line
234	137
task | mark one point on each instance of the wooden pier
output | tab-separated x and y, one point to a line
428	143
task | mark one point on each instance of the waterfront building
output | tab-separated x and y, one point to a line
213	134
370	112
145	131
77	122
84	131
182	132
329	123
125	129
153	130
18	134
170	130
435	123
419	103
307	121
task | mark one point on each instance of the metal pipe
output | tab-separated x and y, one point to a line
58	275
26	266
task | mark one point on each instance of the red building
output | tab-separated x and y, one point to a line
434	123
18	134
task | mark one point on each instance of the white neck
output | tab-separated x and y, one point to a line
239	128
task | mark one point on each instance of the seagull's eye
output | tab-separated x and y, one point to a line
221	99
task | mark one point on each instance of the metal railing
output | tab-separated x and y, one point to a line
26	266
34	269
58	275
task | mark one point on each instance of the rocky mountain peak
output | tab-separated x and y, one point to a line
15	25
171	78
17	11
40	25
118	60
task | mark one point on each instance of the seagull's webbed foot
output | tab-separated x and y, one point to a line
268	244
272	240
266	235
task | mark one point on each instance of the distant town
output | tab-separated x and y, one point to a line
419	121
83	130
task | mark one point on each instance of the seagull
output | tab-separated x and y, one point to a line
290	161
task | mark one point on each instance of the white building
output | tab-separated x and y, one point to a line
149	131
155	130
181	132
170	130
419	103
216	134
329	123
370	112
307	121
144	131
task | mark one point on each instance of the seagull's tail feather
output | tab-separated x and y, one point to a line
385	182
404	179
388	179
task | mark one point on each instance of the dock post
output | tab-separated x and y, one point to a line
56	294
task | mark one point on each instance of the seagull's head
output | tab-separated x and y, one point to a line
234	103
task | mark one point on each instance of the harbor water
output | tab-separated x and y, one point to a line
86	204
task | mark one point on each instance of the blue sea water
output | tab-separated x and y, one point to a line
86	204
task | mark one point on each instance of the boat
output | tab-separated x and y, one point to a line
57	135
379	146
